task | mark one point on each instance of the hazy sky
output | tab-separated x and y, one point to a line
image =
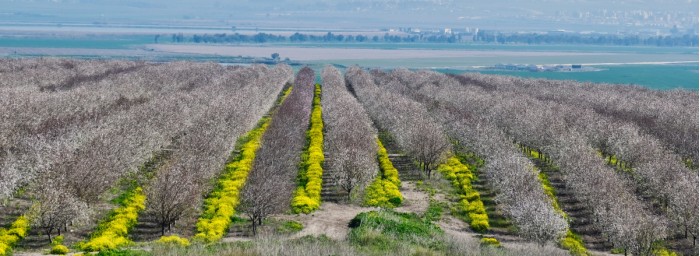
516	15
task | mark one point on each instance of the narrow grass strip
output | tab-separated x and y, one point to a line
470	203
220	205
384	190
112	233
307	196
571	241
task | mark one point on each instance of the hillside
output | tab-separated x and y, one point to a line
184	158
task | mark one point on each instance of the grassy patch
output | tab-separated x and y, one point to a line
272	245
434	211
290	227
386	231
124	252
426	187
470	204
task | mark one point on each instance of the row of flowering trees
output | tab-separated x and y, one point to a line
72	129
572	136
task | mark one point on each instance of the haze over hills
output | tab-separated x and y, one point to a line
577	15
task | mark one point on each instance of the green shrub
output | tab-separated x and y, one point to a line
386	230
574	244
307	197
10	237
57	240
173	240
479	222
388	171
663	252
112	233
470	204
59	249
490	241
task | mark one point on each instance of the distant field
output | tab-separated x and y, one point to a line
453	58
124	42
662	77
351	54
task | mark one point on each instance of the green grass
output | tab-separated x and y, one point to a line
83	42
435	210
382	232
289	227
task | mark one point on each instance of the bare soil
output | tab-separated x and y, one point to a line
415	201
331	220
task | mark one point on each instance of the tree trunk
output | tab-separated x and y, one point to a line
254	228
162	229
48	233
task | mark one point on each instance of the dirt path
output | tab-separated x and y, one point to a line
414	200
331	220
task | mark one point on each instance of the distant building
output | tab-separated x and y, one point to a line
448	31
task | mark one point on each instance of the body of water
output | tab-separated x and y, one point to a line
663	77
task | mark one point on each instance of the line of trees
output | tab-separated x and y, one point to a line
518	191
202	150
271	182
327	38
592	39
656	172
617	212
483	36
408	121
70	145
349	137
